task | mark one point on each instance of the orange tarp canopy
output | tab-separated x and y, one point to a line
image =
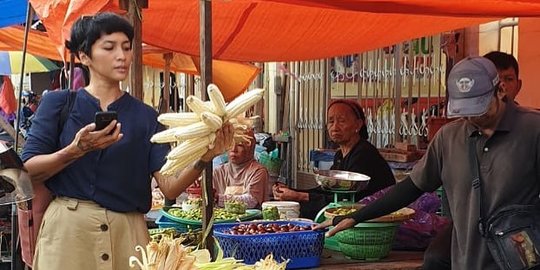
459	8
282	30
232	77
277	30
11	39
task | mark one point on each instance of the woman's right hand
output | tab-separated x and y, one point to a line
87	139
223	142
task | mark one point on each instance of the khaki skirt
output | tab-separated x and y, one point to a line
82	235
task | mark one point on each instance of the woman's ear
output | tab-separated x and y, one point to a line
85	59
360	124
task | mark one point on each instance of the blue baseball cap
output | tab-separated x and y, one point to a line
471	83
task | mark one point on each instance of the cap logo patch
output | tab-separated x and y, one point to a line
465	84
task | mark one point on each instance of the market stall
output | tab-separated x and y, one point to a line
232	47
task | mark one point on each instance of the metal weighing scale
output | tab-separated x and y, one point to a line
344	185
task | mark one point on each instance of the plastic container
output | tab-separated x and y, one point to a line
286	209
322	159
367	241
302	248
190	224
164	222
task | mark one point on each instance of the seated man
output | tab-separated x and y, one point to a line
242	178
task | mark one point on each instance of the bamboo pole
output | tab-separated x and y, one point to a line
16	259
134	9
166	83
205	23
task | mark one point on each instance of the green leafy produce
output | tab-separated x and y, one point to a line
344	211
190	238
196	214
235	207
270	213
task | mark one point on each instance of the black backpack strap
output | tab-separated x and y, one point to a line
66	109
476	182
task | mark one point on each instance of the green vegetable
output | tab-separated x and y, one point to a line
195	214
270	213
235	207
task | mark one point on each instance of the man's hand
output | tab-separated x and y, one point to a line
342	225
87	140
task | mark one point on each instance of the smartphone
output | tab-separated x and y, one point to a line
102	119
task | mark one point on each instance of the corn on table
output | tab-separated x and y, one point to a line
396	260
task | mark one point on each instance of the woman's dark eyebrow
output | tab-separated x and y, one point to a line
114	42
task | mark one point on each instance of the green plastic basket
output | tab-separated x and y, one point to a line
443	209
367	241
273	165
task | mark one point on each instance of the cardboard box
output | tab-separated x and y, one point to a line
397	155
405	146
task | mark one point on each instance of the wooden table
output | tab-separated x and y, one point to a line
396	260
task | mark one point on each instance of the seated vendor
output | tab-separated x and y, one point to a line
346	128
241	179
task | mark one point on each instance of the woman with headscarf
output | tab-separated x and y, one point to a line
346	128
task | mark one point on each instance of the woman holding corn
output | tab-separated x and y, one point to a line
346	128
100	178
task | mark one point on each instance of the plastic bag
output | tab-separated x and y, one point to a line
416	233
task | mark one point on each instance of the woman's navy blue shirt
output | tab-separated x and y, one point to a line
118	177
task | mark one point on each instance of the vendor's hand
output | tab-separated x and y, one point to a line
222	143
276	187
342	225
222	198
87	139
283	193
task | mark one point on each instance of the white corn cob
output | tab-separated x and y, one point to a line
178	119
165	136
197	105
217	99
243	102
212	120
174	165
209	106
190	147
195	130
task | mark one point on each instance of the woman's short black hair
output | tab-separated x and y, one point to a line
358	111
87	29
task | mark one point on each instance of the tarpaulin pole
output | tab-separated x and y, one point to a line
205	45
16	260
